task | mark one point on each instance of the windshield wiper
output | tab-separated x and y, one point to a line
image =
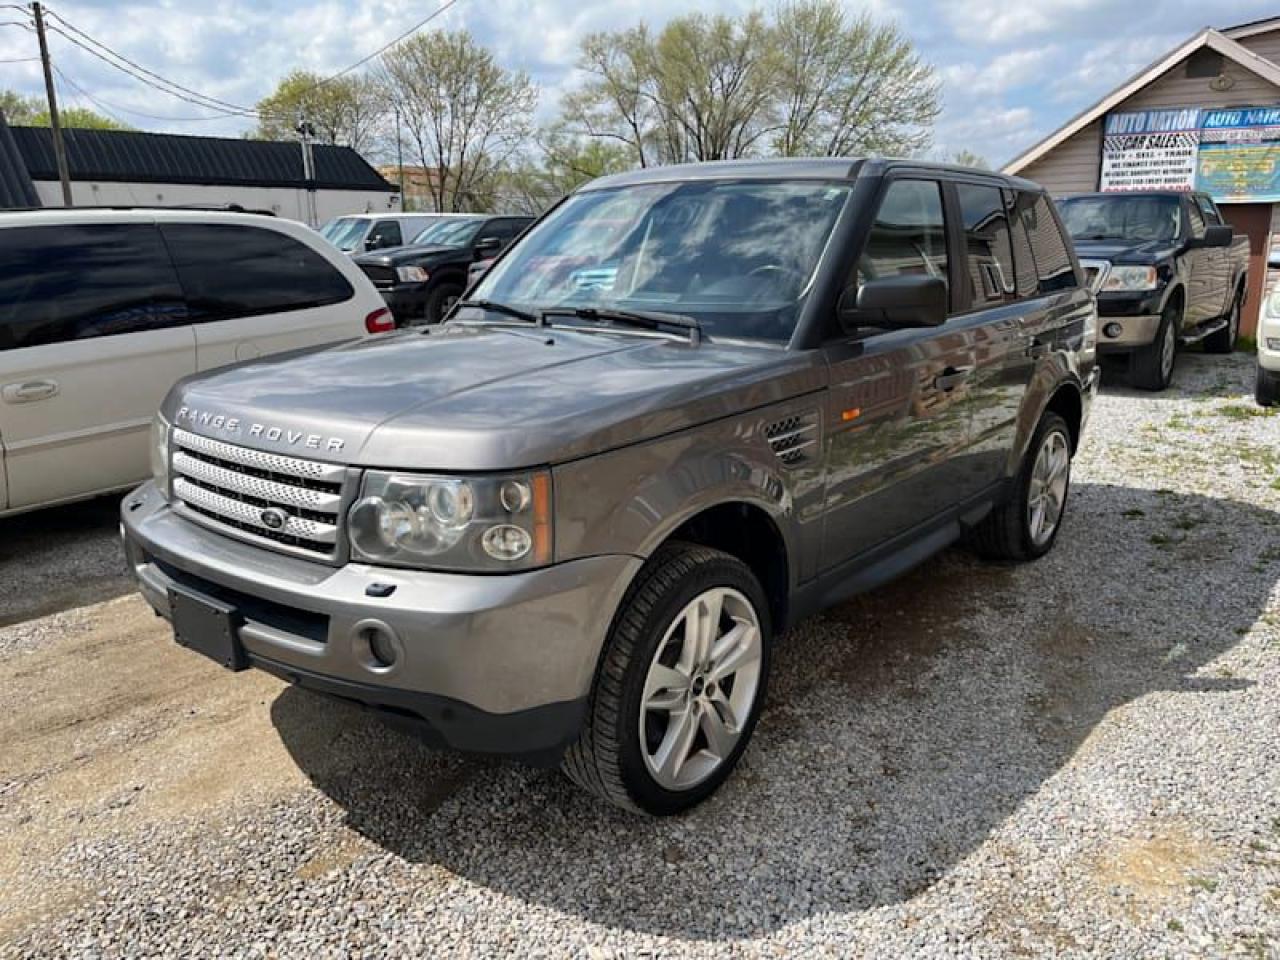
645	320
493	306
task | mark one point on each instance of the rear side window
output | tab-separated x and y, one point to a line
909	234
80	281
1049	249
228	271
989	252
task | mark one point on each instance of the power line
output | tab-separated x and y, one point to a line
21	60
106	106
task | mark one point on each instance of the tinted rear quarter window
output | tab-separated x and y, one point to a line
1049	250
79	281
989	254
229	270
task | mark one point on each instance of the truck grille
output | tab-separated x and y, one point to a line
293	504
380	275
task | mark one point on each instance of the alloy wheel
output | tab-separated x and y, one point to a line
1168	349
700	689
1048	488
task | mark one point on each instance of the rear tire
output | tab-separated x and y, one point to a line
1224	340
1267	388
440	301
674	706
1152	367
1013	531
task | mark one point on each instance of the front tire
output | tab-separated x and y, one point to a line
1266	388
440	301
1026	525
1152	366
680	684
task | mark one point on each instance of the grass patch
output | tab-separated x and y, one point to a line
1175	926
1204	883
1242	411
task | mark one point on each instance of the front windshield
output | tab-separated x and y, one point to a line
737	257
1122	218
345	233
449	233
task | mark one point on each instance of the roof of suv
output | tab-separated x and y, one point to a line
792	168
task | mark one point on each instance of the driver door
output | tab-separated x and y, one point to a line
898	415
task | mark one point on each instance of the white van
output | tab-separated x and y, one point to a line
101	311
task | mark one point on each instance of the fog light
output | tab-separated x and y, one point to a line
1112	330
376	646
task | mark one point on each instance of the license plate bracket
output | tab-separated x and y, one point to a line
208	626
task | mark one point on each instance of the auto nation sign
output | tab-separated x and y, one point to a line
1232	154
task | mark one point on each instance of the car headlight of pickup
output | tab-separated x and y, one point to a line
412	275
1132	278
479	524
160	454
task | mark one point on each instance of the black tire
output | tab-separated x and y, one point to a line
1224	340
1147	368
440	300
1004	535
1266	388
607	759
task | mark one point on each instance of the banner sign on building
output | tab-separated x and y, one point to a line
1232	154
1239	157
1150	150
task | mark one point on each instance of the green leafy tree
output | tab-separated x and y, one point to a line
78	118
967	158
462	115
566	162
18	109
348	111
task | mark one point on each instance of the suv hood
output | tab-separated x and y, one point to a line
483	398
402	256
1144	252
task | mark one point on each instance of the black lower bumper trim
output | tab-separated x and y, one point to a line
539	734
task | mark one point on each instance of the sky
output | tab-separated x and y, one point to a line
1011	72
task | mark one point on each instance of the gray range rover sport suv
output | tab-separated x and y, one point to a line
690	406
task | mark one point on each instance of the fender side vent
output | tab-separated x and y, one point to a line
795	439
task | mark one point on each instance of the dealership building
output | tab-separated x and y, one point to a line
1205	116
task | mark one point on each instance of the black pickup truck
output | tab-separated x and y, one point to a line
1167	271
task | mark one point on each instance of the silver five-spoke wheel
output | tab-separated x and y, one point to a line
1048	488
1168	351
700	688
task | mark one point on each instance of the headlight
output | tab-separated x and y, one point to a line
160	454
1132	278
484	524
412	274
1273	302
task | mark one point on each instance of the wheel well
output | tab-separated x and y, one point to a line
747	532
1178	296
1066	403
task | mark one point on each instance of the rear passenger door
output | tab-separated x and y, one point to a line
898	411
254	291
93	332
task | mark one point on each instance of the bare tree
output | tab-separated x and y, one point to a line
464	116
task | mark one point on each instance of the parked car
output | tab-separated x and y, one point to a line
1267	383
1167	270
478	270
422	281
101	311
571	523
377	231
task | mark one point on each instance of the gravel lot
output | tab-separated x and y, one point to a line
1076	758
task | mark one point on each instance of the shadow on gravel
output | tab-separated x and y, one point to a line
59	558
902	729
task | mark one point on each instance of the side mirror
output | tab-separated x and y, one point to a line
373	243
1214	237
895	303
487	247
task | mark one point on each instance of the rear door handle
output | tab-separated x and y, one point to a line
951	378
30	391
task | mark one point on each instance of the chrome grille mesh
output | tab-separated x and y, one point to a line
288	501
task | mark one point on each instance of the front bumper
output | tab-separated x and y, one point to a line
499	663
1116	333
407	302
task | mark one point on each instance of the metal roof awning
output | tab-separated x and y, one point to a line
16	187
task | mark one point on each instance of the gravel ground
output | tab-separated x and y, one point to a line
55	559
1075	758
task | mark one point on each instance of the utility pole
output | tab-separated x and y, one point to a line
59	148
399	156
306	131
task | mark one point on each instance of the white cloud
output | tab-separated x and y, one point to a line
998	75
992	22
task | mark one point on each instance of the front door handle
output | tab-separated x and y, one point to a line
951	378
30	391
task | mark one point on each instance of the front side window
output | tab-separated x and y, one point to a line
909	235
989	255
228	270
736	256
79	281
386	233
1211	215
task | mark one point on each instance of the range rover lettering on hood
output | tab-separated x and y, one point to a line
217	421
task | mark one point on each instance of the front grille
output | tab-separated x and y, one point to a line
1095	273
380	275
233	488
794	439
